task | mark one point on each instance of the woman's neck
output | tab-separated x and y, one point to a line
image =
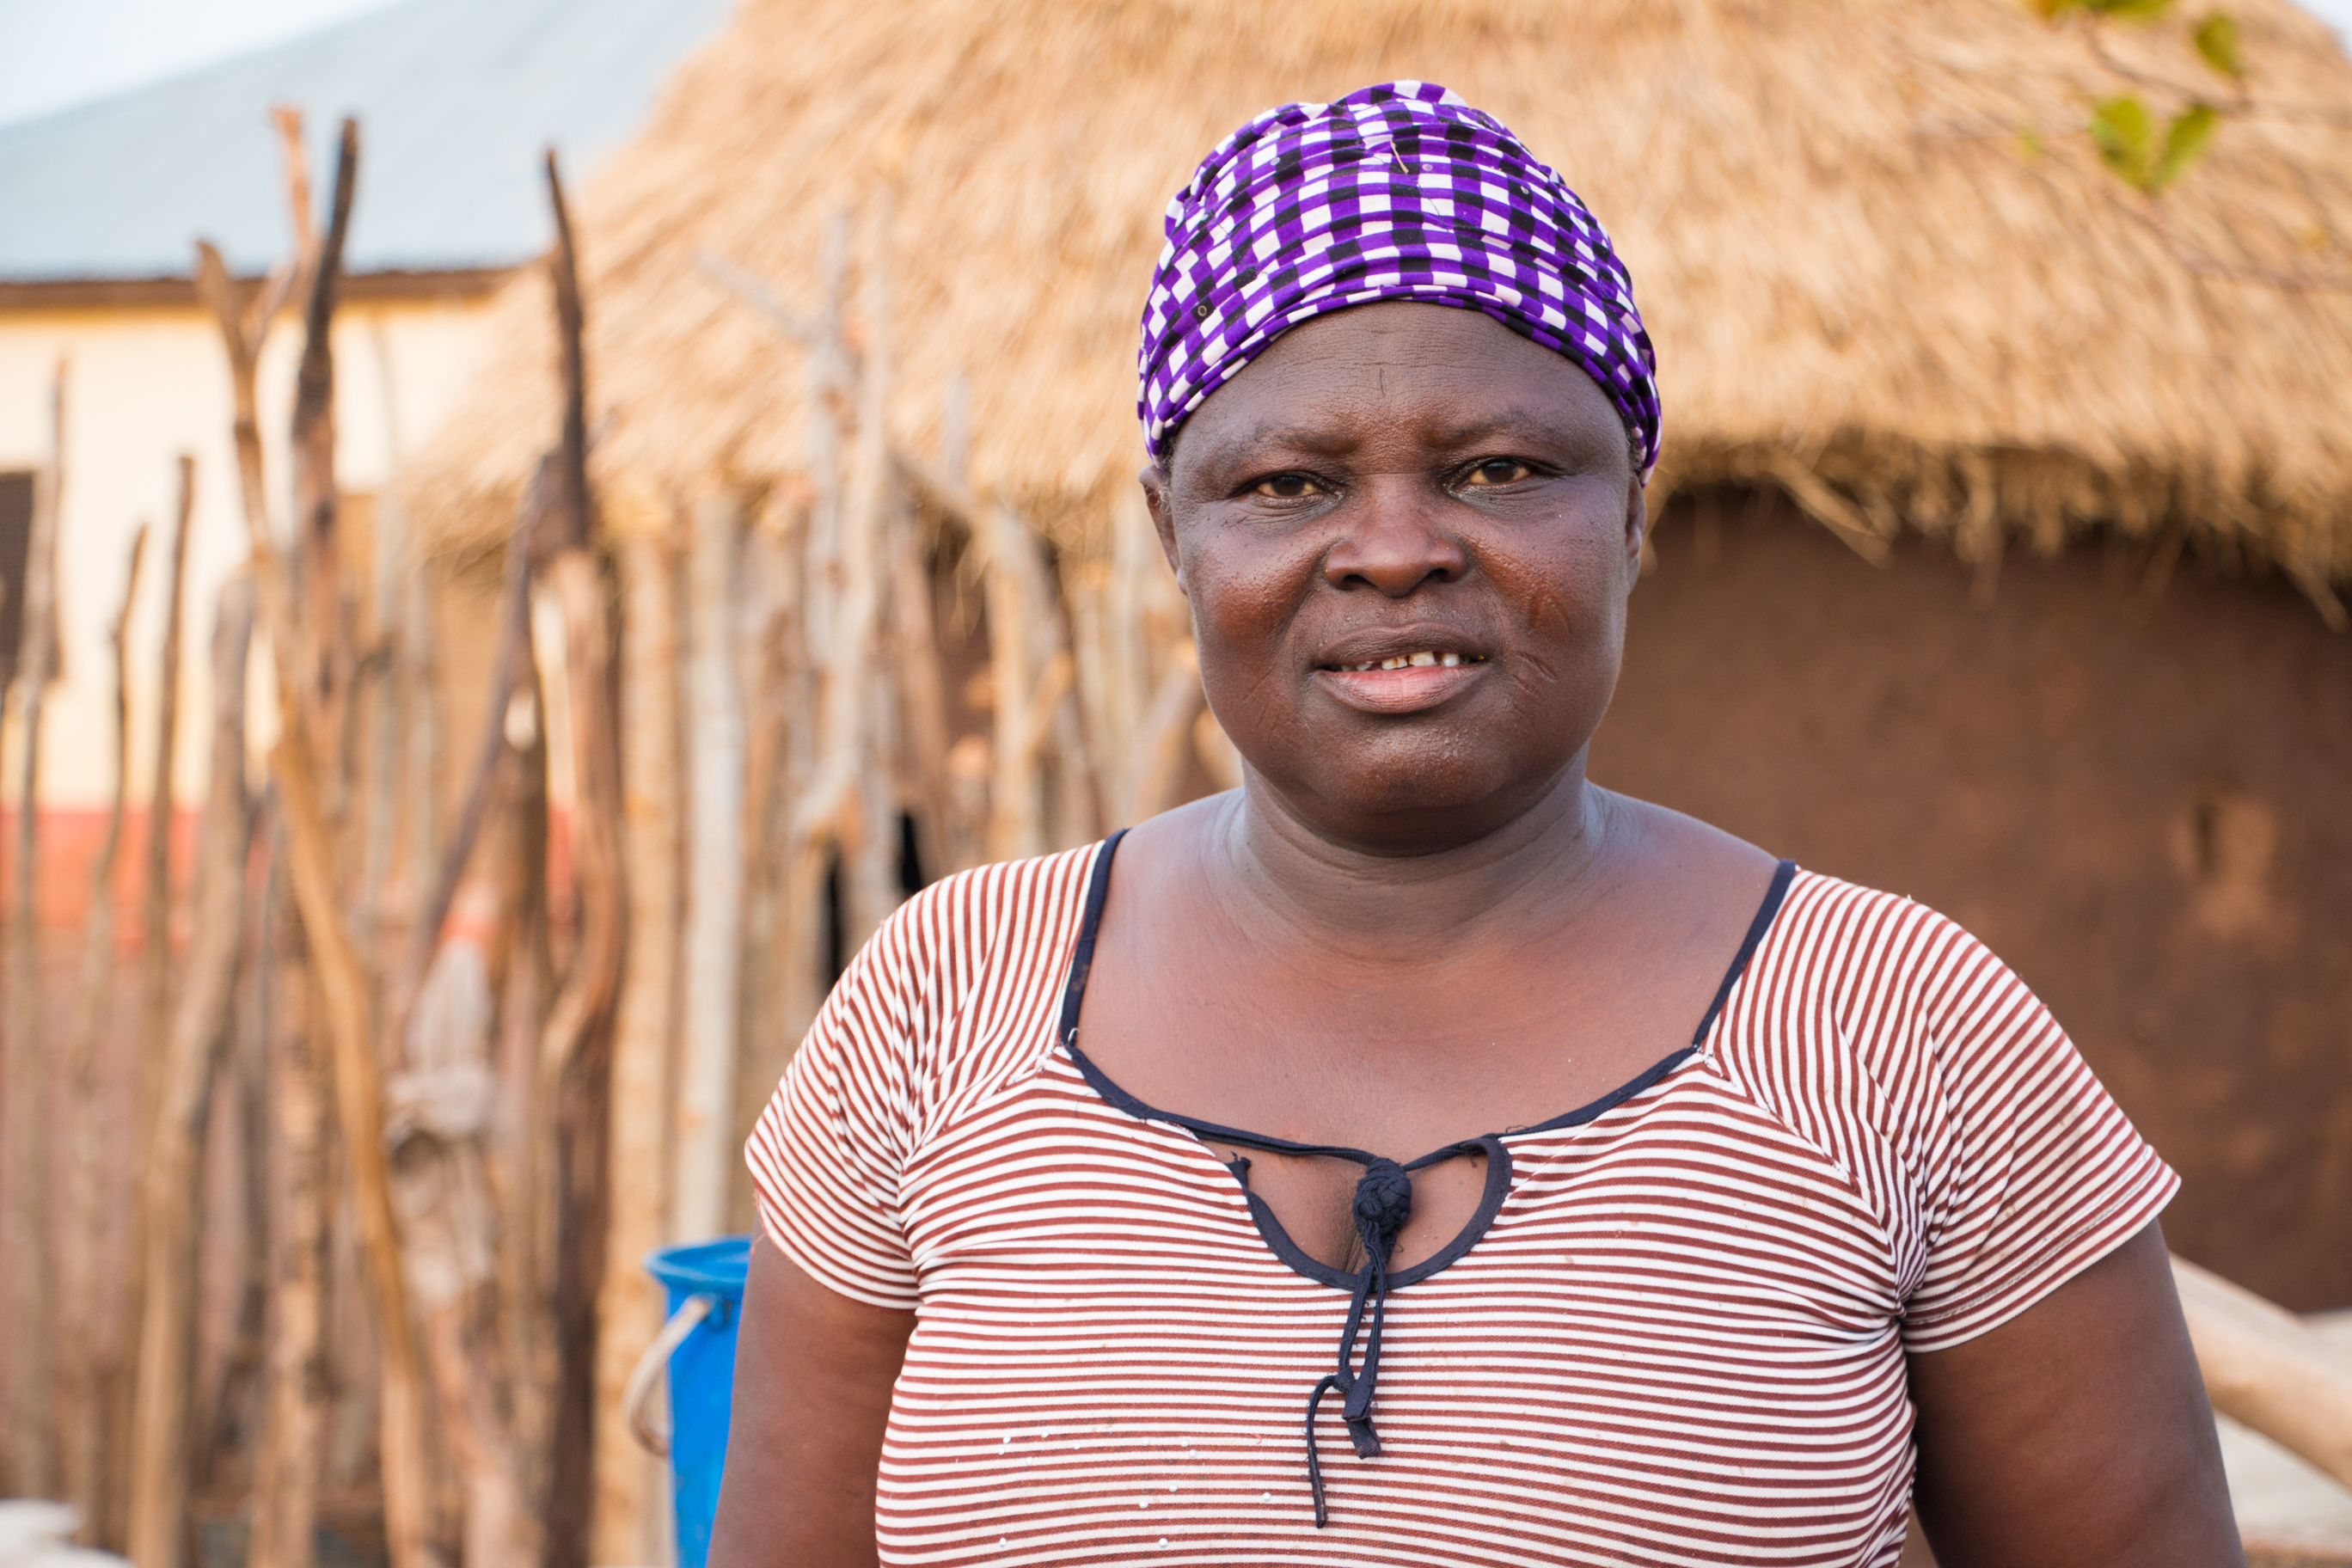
1296	883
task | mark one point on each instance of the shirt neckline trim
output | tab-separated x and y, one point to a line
1499	1155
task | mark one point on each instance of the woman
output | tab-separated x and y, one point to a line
1421	1155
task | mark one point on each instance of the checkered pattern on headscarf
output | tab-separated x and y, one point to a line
1395	192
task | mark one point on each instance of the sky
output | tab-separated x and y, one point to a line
59	53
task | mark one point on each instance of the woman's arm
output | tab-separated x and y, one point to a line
2076	1435
812	1376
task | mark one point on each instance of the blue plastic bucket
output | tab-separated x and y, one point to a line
701	1377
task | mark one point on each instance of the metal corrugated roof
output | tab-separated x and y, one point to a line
456	98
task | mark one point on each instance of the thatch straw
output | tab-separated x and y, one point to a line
1878	255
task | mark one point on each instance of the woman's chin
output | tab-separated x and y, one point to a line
1420	805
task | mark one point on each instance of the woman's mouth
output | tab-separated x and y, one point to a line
1404	682
1420	660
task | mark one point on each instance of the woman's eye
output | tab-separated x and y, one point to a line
1499	471
1286	487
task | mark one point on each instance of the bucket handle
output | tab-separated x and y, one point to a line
648	1373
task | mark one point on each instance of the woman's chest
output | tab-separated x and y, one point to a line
1398	1062
1677	1328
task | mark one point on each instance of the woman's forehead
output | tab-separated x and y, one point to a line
1439	376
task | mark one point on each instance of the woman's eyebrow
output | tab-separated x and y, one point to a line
1277	436
1323	441
1519	424
1270	437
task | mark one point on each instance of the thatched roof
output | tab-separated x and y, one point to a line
1880	259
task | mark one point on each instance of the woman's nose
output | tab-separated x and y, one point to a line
1392	541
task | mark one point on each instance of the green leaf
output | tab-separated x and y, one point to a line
2126	136
2217	41
2185	142
2131	10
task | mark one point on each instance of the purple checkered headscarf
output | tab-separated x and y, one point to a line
1396	192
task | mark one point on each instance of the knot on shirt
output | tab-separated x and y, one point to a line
1383	1202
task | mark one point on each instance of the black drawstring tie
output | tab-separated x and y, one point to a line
1383	1202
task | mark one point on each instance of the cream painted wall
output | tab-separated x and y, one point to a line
144	385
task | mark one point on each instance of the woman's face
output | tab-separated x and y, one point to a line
1417	483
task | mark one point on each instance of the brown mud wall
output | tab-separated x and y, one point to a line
2142	801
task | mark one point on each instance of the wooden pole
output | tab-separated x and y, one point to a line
24	1228
805	922
80	1398
160	1450
629	1304
218	294
388	687
827	385
119	1375
225	1416
1144	625
869	807
2267	1368
923	684
156	912
285	1498
303	765
963	781
1075	812
1030	673
784	925
405	612
1073	808
713	948
1015	828
575	1050
441	1110
1134	564
843	644
1164	742
245	320
420	747
286	1462
1108	694
508	664
521	1162
343	983
320	628
287	1465
322	662
1030	676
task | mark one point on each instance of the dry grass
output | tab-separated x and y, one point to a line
1857	266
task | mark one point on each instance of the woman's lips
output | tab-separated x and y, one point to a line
1411	688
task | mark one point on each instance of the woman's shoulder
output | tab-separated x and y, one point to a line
984	941
986	903
1871	989
1019	913
1874	947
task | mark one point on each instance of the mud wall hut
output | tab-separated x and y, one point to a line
2004	511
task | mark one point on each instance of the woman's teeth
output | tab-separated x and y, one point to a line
1415	661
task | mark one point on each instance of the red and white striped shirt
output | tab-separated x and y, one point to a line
1678	1339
